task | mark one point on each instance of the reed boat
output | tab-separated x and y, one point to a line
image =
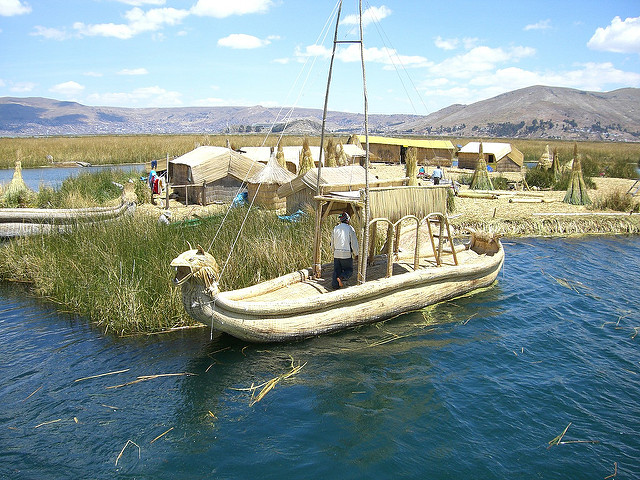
16	222
301	304
420	264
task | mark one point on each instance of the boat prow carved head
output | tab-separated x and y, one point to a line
196	266
484	242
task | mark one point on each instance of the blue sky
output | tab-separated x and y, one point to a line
420	55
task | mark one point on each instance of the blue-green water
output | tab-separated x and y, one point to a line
472	388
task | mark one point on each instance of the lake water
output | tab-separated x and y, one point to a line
53	176
472	388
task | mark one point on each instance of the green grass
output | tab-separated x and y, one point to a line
616	200
84	190
117	274
122	149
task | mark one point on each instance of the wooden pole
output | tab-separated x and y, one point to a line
317	239
367	209
166	200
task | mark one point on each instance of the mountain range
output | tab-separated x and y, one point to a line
532	112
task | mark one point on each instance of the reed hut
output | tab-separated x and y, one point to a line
291	155
300	192
350	154
263	186
393	150
211	174
500	157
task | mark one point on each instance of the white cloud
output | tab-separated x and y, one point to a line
227	8
142	97
242	41
22	87
620	36
479	60
541	25
139	3
50	33
2	83
9	8
92	74
385	56
133	71
446	44
139	22
370	15
67	89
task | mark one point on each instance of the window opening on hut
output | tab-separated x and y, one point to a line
492	158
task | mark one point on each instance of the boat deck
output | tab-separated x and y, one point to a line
375	271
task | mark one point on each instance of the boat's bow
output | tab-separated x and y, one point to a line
197	273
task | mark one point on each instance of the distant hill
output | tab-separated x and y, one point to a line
533	112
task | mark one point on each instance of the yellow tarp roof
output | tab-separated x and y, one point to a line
409	142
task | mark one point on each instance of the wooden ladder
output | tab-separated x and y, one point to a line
634	188
440	222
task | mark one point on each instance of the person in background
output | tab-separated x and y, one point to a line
344	244
436	175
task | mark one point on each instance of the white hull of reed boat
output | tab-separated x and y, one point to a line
272	312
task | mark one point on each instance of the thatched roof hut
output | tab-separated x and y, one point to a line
291	155
263	186
501	157
211	174
300	191
428	152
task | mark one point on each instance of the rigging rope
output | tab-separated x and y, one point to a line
322	35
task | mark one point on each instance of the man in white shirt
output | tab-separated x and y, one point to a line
436	175
344	244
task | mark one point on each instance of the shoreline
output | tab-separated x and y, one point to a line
543	215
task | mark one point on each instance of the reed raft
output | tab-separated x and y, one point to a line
554	225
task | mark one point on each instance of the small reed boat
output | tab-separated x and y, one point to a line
19	222
421	265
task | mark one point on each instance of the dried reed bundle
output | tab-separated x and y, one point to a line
306	159
555	164
481	180
17	188
411	164
341	157
577	191
330	154
280	156
545	160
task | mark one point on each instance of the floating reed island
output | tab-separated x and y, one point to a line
540	212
